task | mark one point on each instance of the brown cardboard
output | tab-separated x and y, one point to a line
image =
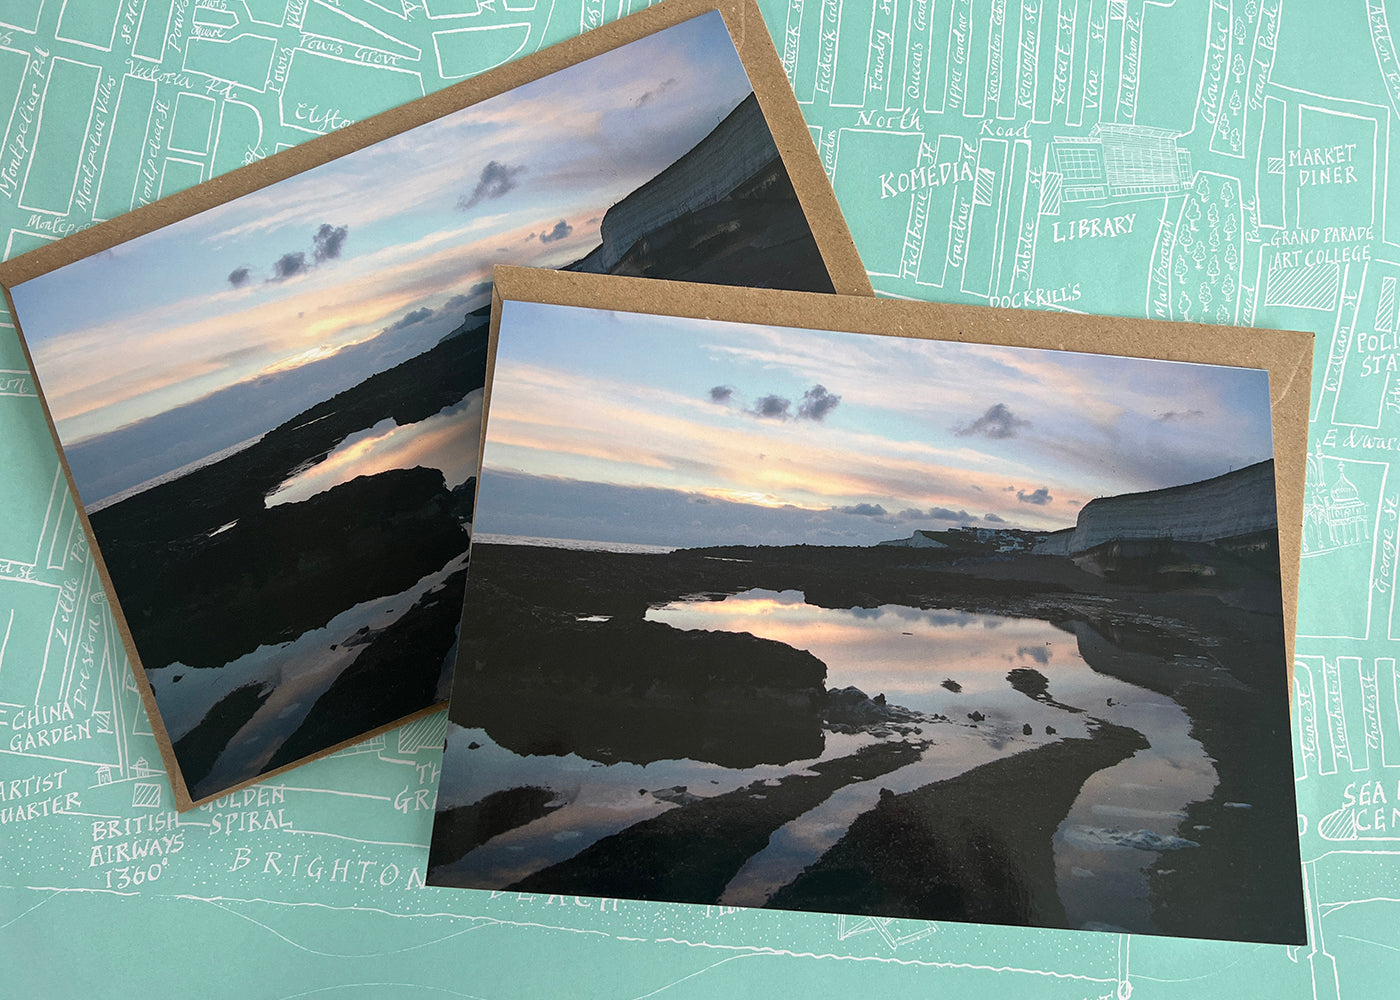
775	98
1285	354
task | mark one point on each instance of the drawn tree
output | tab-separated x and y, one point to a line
1199	256
1239	31
1214	241
1237	68
1213	214
1184	306
1203	188
1232	256
1235	102
1250	9
1230	226
1213	269
1222	315
1236	139
1227	194
1205	295
1180	268
1227	287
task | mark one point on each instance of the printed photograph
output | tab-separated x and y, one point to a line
271	409
877	625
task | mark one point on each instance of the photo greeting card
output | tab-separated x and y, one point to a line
267	389
880	608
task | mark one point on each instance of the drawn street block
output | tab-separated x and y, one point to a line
125	147
326	92
52	177
463	52
887	163
153	29
90	23
22	14
245	59
19	242
357	30
145	795
179	174
193	125
238	138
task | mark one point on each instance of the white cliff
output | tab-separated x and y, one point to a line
1238	503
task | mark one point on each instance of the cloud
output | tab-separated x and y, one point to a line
817	402
327	241
1040	497
721	393
416	316
288	265
560	230
998	422
864	509
772	407
656	92
239	277
497	180
944	514
994	519
1172	415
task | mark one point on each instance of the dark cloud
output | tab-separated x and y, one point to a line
1172	415
994	519
328	241
656	92
944	514
997	422
497	180
817	403
1040	497
239	277
864	509
287	265
560	230
721	393
773	407
416	316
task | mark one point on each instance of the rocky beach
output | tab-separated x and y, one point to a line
994	786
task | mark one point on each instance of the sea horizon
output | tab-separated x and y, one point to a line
578	544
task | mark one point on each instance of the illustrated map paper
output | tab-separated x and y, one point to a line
1251	97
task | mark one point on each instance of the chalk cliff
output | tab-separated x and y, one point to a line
1236	504
739	148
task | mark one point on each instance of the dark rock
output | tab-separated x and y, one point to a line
952	685
1026	730
976	716
540	682
198	749
395	675
456	831
1050	730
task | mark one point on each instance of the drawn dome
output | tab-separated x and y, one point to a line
1343	492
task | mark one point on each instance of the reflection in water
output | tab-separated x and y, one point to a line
1123	821
299	671
1123	815
447	441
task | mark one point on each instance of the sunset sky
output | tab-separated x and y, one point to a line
399	237
683	432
